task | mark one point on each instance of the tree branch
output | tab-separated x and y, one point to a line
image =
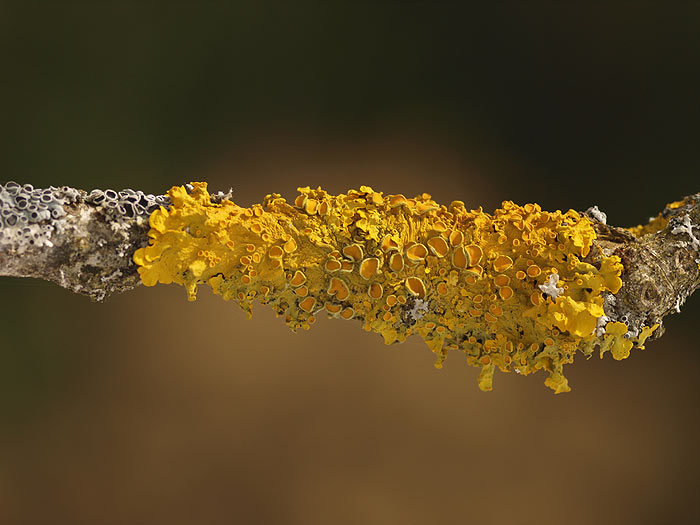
661	263
83	242
87	242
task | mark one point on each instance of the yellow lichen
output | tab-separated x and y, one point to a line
461	279
656	224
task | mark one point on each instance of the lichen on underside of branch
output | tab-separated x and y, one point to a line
519	290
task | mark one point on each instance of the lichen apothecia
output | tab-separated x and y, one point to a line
511	290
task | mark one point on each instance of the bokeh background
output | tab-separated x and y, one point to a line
150	409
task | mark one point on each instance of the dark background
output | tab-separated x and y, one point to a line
150	409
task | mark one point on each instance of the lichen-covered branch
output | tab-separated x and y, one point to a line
81	241
519	290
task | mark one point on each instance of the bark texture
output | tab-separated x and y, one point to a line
661	264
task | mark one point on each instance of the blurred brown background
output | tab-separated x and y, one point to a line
150	409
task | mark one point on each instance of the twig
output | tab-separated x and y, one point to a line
87	243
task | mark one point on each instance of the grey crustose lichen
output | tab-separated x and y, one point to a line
81	241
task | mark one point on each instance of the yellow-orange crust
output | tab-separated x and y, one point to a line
509	289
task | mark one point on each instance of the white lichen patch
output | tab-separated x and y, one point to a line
126	207
600	325
418	311
29	217
551	288
595	212
116	275
679	302
686	226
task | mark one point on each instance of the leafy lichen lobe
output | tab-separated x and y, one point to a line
511	290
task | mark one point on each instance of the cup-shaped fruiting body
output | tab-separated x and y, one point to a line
30	217
510	289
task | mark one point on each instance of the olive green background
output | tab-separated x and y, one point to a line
150	409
